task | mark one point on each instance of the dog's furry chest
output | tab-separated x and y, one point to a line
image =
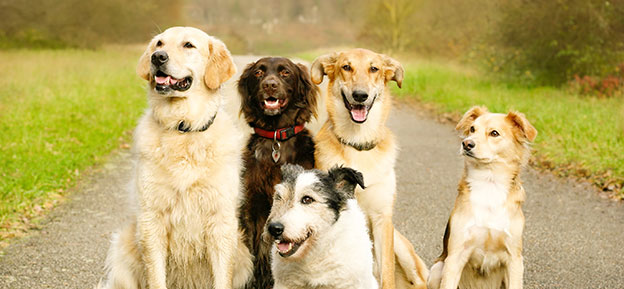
488	205
181	181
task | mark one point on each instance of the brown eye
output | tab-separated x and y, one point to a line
284	73
346	67
159	43
259	73
374	69
306	200
472	129
189	45
494	133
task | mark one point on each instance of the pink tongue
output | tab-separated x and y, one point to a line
359	113
163	80
282	247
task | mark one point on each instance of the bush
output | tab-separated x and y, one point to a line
548	42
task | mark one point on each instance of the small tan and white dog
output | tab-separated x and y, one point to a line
187	182
482	246
355	135
320	233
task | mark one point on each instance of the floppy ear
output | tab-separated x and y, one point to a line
393	70
143	68
469	117
323	65
243	88
220	66
308	90
523	130
345	179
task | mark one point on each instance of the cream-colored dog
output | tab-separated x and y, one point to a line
187	174
355	135
482	246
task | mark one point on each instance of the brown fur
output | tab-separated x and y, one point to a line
482	245
261	172
361	70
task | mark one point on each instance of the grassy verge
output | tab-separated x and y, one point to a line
61	111
578	135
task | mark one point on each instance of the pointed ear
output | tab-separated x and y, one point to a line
469	117
393	70
220	66
308	90
143	67
345	179
323	65
523	130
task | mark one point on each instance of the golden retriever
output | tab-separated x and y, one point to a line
187	174
355	135
482	246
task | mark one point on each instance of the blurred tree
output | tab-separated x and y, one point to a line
79	23
387	24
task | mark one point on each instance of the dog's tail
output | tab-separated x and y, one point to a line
412	266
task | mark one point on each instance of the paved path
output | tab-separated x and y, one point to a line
573	239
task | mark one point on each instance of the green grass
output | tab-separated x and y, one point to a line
61	111
577	132
578	135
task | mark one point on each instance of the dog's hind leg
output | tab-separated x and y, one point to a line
124	269
415	272
435	275
243	265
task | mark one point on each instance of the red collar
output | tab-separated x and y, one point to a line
280	134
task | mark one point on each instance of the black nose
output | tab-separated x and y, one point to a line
276	229
269	84
359	96
468	144
159	58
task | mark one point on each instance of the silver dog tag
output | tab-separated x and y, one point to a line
275	155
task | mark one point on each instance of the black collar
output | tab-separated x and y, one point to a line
367	146
184	128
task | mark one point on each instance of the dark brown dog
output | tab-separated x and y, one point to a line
278	98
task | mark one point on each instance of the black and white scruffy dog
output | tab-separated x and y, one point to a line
320	233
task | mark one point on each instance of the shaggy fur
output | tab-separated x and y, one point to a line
185	234
482	247
355	135
288	87
319	232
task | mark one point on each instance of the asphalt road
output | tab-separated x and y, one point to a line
573	238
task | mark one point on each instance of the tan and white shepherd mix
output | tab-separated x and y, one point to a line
320	235
188	152
482	246
355	135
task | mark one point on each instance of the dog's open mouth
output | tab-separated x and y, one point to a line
273	103
287	248
165	82
359	112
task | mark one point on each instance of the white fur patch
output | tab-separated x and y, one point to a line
305	180
488	194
